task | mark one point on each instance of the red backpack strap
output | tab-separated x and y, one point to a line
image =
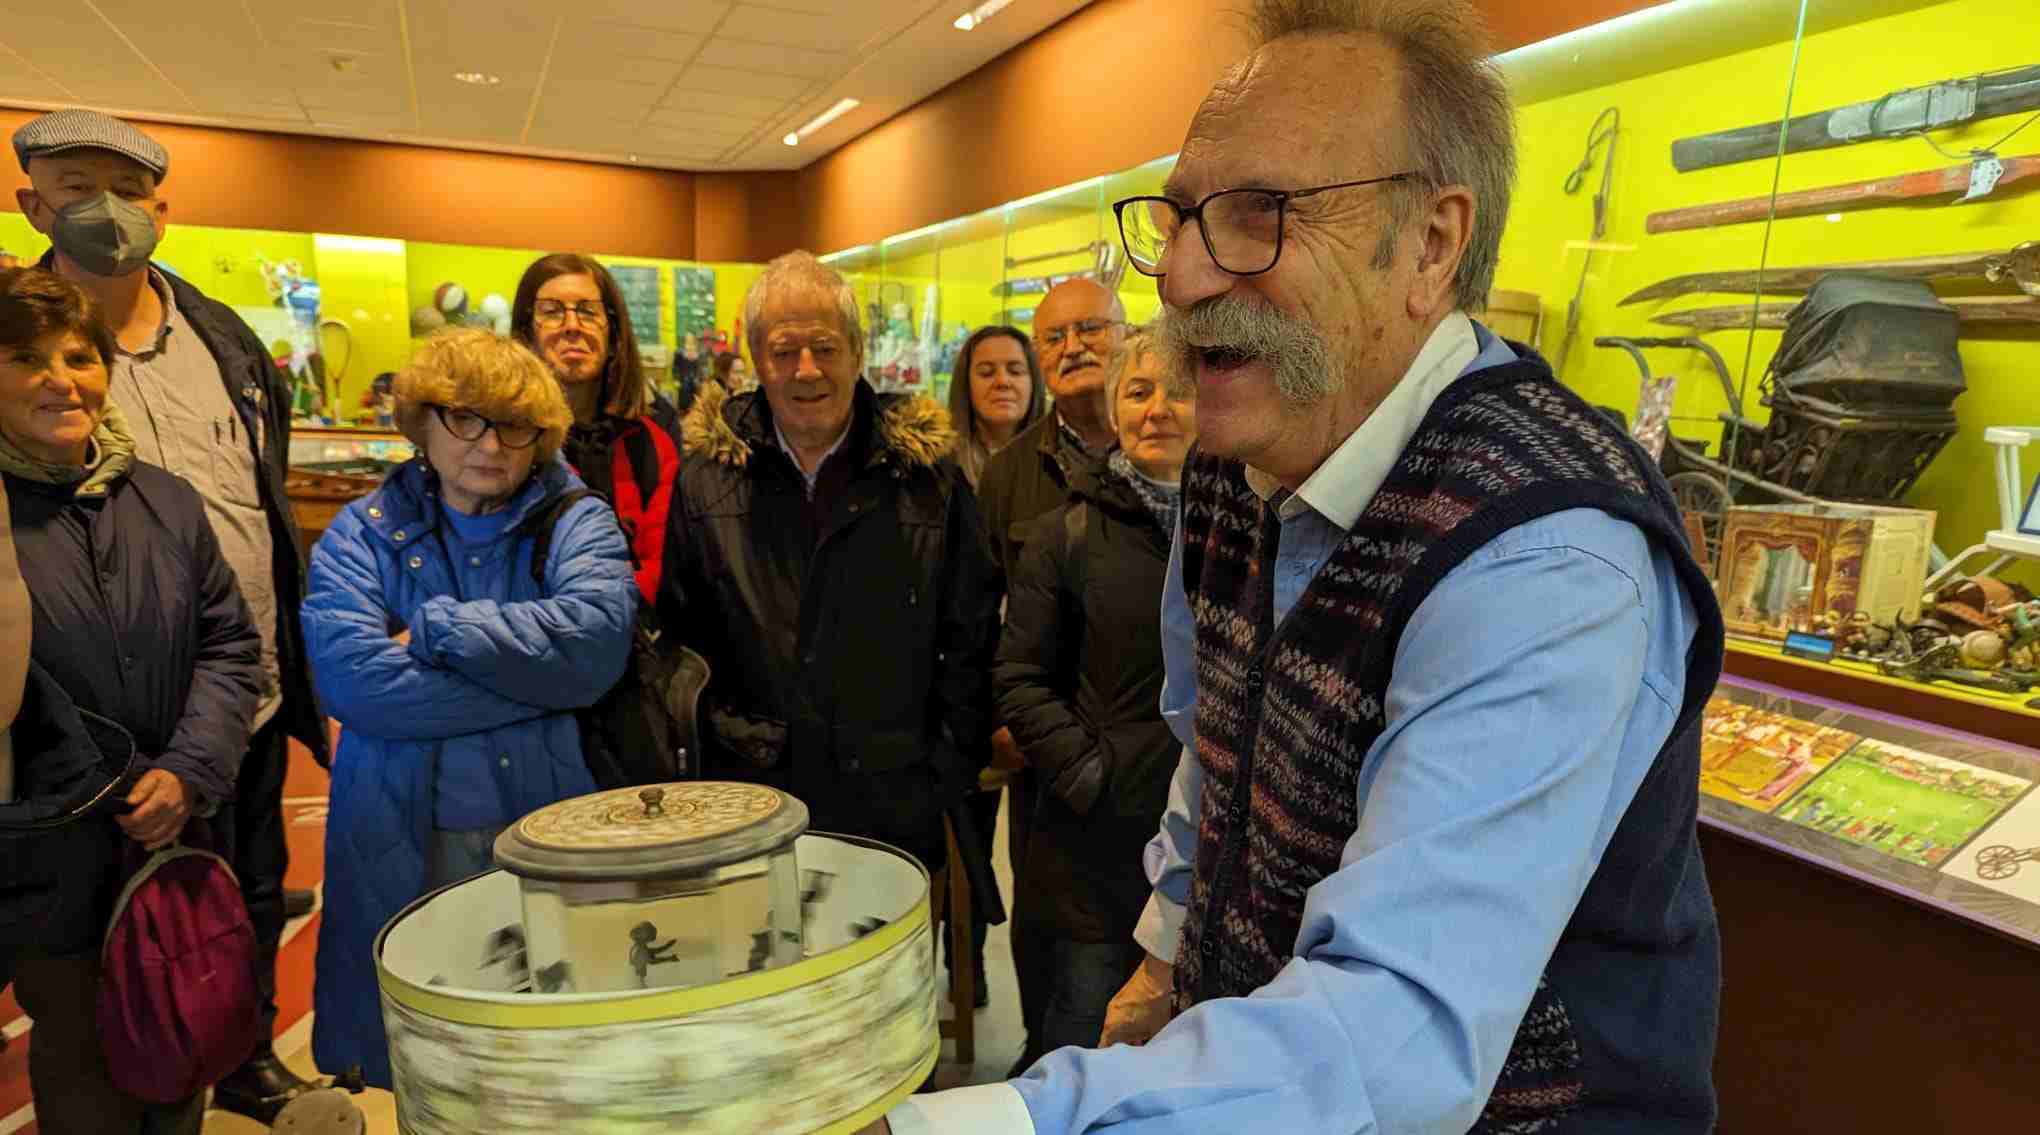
645	521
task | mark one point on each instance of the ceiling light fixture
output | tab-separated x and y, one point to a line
477	78
978	15
821	120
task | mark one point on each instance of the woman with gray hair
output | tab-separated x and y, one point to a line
1079	679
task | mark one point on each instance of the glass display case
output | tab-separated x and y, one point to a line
1689	173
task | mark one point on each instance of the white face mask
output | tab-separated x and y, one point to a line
105	235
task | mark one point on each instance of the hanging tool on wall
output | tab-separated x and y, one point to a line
2020	266
1913	110
1976	313
1972	181
1597	137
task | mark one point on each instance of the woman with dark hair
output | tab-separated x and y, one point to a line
994	393
625	440
137	620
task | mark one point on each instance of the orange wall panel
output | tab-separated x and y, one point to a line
1112	86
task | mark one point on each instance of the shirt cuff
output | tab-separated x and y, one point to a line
985	1109
1160	927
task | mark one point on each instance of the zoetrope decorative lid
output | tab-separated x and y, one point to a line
658	831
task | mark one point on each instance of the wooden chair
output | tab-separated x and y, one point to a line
952	892
952	896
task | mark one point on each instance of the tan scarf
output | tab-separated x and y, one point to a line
106	459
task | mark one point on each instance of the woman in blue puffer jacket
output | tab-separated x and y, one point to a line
454	672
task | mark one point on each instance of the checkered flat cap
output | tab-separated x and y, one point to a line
89	129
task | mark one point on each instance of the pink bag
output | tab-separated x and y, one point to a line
179	1007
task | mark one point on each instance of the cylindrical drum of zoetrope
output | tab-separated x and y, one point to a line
682	958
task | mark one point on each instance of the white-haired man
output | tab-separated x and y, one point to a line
1434	645
832	570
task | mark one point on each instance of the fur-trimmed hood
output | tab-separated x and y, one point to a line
726	428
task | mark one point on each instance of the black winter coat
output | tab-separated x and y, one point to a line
1079	682
1023	481
262	397
853	671
137	620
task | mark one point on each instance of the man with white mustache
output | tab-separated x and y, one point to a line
1435	647
1078	326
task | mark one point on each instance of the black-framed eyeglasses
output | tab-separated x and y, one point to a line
1242	228
552	313
470	426
1090	330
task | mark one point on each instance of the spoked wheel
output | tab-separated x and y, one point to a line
1997	862
1705	496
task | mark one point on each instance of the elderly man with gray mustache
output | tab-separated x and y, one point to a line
1435	648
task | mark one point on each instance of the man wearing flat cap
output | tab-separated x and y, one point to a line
205	402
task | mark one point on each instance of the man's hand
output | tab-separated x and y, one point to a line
1006	754
161	805
402	637
1142	1006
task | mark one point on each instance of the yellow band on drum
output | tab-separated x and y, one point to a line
522	1012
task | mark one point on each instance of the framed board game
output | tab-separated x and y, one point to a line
1945	819
640	287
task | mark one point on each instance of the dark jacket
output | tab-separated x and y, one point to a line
851	667
138	619
1027	478
138	623
1079	682
58	844
635	465
262	397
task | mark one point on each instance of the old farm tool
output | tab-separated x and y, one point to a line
1924	185
1598	135
1974	312
1896	114
2020	267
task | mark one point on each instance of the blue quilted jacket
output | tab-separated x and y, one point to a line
495	666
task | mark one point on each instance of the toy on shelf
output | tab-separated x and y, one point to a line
1813	567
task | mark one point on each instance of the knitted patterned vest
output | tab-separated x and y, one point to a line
1285	719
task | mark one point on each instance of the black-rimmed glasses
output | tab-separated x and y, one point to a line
1242	228
470	426
552	313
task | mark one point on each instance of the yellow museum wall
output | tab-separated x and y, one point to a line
1542	250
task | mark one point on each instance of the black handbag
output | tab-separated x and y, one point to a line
644	730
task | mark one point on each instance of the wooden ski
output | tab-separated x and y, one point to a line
1893	115
1920	186
2019	266
1973	311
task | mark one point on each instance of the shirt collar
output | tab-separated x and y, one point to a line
810	478
170	317
1341	488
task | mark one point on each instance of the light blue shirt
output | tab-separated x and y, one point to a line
1531	694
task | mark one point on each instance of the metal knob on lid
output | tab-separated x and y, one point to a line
657	831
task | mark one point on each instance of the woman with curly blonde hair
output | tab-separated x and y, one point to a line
453	662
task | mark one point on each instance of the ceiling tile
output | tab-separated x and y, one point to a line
769	59
814	31
684	123
749	84
690	16
746	107
342	35
374	100
608	97
601	38
623	68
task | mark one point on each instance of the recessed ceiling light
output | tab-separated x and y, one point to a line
978	15
633	157
477	78
791	139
